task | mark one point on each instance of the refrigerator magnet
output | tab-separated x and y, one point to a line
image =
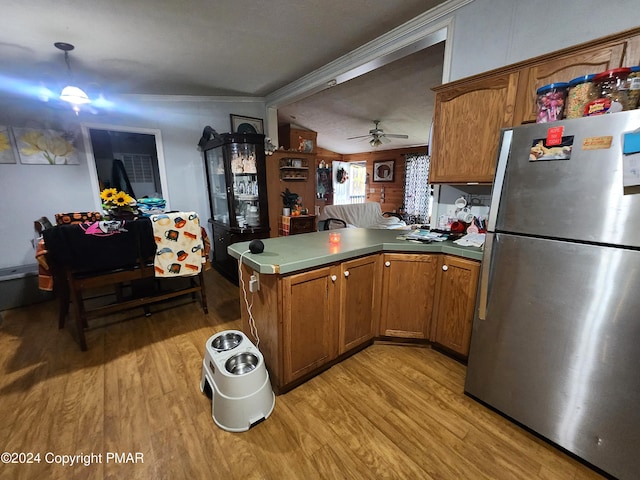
540	150
597	143
631	143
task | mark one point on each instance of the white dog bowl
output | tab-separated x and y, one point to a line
233	369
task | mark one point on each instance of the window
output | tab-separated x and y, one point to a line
126	156
418	194
357	178
349	181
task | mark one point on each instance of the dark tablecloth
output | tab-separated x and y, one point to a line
69	246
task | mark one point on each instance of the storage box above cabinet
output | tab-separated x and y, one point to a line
563	68
297	139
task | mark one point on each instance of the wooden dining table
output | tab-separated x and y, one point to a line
118	264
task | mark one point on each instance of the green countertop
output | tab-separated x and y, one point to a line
295	253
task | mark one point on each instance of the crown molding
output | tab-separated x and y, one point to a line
421	32
190	98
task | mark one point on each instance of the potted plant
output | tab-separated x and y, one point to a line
289	201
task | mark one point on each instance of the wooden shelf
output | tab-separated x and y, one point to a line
294	169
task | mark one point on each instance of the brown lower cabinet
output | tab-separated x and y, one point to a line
307	320
359	302
455	298
408	283
327	312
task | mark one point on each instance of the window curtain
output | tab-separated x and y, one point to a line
418	196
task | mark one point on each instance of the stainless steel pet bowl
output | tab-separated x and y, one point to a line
226	341
241	363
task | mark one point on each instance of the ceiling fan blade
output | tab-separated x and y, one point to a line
384	139
359	136
395	135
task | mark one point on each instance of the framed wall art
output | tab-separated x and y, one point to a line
7	149
242	124
46	147
383	171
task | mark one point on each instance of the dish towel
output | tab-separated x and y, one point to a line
179	244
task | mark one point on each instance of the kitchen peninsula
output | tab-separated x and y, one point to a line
315	302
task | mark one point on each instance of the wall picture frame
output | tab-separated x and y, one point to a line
46	147
242	124
383	171
7	147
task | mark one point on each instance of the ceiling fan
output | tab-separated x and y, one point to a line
378	137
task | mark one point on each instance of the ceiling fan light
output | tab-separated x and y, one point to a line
74	95
375	142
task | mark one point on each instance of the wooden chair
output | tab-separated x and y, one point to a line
333	223
79	284
76	283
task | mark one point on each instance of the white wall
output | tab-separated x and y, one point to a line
489	34
28	192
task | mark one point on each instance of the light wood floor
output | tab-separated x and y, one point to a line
387	412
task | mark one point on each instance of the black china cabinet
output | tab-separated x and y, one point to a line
236	179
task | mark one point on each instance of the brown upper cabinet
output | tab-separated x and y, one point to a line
470	112
563	69
467	120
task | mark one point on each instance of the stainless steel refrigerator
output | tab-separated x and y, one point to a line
556	338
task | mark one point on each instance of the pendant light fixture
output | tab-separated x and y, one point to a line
72	94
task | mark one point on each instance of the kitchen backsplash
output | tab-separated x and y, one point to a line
478	198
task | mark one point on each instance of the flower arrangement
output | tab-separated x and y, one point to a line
118	204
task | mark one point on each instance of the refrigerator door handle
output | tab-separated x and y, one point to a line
484	277
503	157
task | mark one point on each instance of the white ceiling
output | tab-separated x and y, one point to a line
397	94
228	47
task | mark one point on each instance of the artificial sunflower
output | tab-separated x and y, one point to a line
122	199
108	194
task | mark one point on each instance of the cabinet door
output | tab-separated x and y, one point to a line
455	303
408	285
359	305
468	117
309	333
563	69
632	51
221	260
